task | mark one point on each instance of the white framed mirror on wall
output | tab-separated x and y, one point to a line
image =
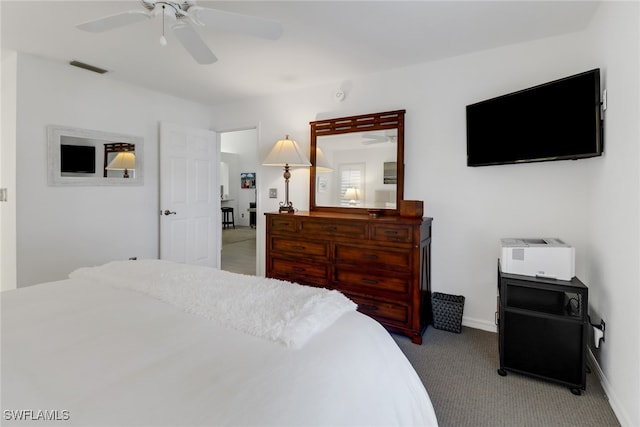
89	157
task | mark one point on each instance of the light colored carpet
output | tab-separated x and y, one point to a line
459	372
238	234
239	250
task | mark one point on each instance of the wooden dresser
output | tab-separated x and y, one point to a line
382	264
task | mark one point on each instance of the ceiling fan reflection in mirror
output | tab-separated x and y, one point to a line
379	137
183	16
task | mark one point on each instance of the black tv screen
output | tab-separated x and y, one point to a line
553	121
77	158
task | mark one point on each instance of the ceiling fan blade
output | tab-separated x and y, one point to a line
114	21
381	138
377	137
193	43
235	22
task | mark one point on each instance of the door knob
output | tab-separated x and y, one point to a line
168	212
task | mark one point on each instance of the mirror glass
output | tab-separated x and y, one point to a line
87	157
357	167
357	170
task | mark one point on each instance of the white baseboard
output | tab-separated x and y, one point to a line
622	416
479	324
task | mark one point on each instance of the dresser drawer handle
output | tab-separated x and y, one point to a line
296	268
369	281
368	307
391	232
330	228
299	247
369	256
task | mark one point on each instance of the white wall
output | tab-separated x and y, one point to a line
228	170
8	171
63	228
613	271
474	207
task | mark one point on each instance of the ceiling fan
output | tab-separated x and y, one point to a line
379	137
184	15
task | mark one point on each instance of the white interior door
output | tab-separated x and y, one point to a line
189	199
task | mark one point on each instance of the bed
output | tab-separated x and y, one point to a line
156	343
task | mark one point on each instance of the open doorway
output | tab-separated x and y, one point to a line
238	197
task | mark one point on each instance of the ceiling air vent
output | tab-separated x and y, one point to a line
87	67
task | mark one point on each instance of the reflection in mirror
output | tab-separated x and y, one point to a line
74	156
119	160
358	163
353	170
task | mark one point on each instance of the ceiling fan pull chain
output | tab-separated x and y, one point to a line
163	40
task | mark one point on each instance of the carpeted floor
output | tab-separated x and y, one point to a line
459	372
238	234
239	250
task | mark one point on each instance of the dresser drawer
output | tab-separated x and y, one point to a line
387	258
360	281
282	223
392	233
398	314
300	248
354	230
299	271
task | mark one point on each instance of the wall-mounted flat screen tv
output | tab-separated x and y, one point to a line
77	158
554	121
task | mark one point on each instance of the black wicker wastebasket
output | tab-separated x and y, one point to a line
447	311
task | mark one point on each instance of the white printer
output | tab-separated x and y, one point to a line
543	257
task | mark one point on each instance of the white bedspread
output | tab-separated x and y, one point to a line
273	309
103	355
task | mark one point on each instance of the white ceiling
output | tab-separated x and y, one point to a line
322	41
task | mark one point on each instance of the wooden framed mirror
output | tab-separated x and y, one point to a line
357	164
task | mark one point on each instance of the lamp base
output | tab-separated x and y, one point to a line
286	209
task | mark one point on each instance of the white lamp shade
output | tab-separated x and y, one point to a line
286	152
351	193
322	164
123	160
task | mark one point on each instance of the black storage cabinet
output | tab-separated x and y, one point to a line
543	327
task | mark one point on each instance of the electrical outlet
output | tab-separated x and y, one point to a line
273	193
